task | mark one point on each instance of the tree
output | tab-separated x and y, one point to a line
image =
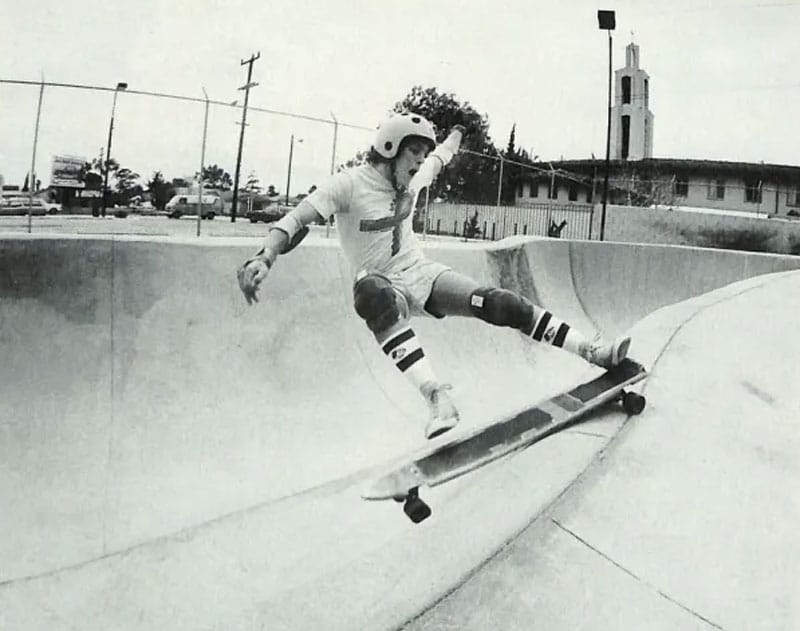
91	179
511	150
253	186
216	177
469	177
126	183
160	190
99	166
357	160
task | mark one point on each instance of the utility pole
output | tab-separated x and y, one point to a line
246	87
32	180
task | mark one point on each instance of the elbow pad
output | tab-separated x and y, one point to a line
292	228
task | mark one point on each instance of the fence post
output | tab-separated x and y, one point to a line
427	208
202	164
500	192
333	167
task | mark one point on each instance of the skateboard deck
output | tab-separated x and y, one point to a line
442	462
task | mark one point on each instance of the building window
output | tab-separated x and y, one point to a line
534	189
716	189
552	193
626	90
520	190
626	136
646	92
752	191
573	191
793	197
680	187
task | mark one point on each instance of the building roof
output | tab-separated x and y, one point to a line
665	166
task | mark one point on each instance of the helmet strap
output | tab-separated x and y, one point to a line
393	174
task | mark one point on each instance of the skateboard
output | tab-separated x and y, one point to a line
462	454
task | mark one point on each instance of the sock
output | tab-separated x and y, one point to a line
549	329
404	349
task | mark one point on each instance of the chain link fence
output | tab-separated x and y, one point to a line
569	221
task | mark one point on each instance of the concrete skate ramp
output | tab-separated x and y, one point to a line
173	458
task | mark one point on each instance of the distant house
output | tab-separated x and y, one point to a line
740	186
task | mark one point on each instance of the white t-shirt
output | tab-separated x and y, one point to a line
373	220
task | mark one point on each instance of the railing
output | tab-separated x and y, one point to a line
570	221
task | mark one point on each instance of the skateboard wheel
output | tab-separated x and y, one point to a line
416	509
633	403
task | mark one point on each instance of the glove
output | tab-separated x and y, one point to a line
253	273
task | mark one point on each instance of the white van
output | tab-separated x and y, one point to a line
187	205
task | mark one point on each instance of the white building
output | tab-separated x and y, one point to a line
631	118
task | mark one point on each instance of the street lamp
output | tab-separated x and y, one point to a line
607	22
289	172
120	86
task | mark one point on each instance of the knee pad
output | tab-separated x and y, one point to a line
502	308
377	302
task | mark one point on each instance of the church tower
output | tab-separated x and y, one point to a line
631	118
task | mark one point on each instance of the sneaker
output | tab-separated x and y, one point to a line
607	354
444	415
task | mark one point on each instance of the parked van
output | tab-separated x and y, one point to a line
187	205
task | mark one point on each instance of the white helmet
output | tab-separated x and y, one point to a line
392	131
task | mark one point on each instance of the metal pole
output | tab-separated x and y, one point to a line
246	89
202	163
427	208
499	194
500	181
608	147
32	179
289	171
333	167
335	136
108	154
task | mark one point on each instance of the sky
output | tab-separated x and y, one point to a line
724	83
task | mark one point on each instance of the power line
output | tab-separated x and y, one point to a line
179	97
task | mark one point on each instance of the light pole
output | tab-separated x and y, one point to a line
607	22
202	165
120	86
32	178
289	171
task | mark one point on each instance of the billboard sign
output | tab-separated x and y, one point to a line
67	171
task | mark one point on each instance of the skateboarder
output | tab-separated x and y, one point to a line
392	279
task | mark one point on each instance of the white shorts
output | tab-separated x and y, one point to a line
415	284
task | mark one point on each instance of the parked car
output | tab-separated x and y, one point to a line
20	205
181	205
52	207
267	215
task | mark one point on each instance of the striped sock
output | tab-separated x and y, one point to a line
548	329
404	349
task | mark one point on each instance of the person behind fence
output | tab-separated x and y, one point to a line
393	281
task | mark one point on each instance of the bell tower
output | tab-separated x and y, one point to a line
631	118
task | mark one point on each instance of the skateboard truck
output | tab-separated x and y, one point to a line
413	506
